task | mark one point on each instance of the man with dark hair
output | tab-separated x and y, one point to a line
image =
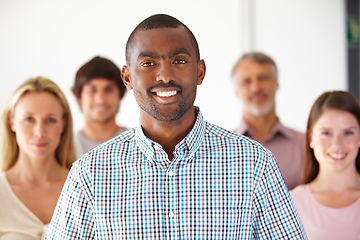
174	176
98	89
255	76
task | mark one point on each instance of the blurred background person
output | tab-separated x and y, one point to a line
329	201
36	154
255	77
98	89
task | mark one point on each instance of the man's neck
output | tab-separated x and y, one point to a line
261	125
168	133
100	132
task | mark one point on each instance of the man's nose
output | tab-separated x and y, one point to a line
255	85
100	96
165	73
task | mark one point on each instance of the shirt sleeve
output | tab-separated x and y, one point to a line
274	215
73	217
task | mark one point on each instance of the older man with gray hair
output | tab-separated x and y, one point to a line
256	83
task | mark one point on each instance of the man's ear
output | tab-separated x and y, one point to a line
201	71
125	76
276	85
77	96
237	91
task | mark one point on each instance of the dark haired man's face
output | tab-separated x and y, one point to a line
100	100
163	72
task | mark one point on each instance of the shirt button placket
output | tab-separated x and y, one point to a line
171	214
172	201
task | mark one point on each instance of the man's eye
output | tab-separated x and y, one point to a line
147	64
109	89
245	82
263	78
180	61
90	89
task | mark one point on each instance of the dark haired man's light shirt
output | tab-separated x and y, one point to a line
219	185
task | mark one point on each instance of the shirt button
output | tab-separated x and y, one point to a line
149	161
171	173
171	214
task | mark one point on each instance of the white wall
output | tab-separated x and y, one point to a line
305	37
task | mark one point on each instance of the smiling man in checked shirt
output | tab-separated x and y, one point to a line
174	176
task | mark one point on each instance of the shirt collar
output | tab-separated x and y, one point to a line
278	129
196	135
191	142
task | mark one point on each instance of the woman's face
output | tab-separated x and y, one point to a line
335	139
38	123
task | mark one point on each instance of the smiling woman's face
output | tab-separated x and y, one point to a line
335	139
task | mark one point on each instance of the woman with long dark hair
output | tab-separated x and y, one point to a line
328	201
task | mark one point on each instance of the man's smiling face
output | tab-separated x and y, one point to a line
164	72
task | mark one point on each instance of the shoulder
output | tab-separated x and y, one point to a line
78	134
242	128
106	153
88	171
299	192
122	130
291	134
223	134
117	143
3	182
9	203
236	143
295	133
80	139
290	130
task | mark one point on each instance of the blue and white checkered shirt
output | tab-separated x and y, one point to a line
219	185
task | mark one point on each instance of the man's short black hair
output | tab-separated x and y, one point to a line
160	21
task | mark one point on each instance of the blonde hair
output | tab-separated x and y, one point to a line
9	149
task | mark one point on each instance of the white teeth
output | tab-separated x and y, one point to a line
166	94
338	155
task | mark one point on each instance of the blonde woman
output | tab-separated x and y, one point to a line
36	154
